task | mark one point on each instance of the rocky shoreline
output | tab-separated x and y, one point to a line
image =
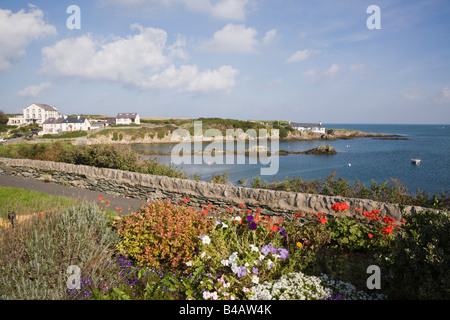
127	136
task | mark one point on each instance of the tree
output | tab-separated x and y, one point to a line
3	118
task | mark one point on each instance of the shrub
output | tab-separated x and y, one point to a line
35	255
162	234
220	178
421	262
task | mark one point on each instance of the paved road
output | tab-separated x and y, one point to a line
127	205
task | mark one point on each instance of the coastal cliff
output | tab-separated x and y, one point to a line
162	135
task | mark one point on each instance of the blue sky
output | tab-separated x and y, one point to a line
304	61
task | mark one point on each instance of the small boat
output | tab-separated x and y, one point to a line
415	161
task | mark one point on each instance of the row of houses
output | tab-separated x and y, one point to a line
54	122
313	127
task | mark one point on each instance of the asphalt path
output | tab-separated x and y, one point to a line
128	205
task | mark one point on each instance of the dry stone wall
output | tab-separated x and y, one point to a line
152	187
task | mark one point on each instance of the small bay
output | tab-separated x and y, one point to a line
365	159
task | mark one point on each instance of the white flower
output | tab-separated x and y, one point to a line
233	257
214	295
205	239
203	254
224	225
225	262
189	263
238	218
206	295
255	279
254	248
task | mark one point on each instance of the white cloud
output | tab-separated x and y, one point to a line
300	55
333	71
34	90
232	39
270	36
143	60
17	31
229	9
236	38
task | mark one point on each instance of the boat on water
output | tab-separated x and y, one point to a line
415	161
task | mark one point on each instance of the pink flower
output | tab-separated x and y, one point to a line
206	295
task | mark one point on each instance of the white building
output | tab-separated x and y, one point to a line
17	120
128	118
313	127
38	112
59	125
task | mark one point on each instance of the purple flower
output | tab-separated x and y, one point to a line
250	218
241	271
265	250
252	225
255	271
282	232
283	253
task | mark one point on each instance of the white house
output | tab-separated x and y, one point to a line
128	118
313	127
16	120
59	125
40	112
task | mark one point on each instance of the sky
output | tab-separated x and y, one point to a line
304	61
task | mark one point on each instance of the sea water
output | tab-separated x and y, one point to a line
365	159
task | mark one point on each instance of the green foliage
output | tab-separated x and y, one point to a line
102	156
161	234
347	234
421	263
283	132
35	255
67	135
390	191
3	118
220	178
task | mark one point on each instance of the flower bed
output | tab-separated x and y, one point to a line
245	254
175	251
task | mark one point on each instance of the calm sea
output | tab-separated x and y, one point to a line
370	159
